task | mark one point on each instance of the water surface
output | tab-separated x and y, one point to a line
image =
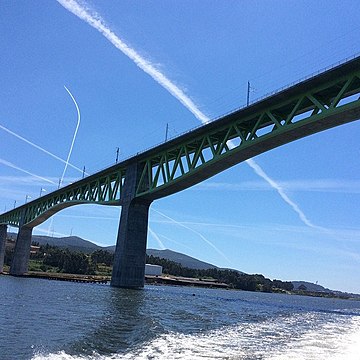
42	319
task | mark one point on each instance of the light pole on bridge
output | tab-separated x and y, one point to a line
166	132
249	90
117	155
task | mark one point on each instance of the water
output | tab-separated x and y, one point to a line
42	319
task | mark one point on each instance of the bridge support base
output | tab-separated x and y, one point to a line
20	261
3	234
130	253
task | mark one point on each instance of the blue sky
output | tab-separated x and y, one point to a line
209	51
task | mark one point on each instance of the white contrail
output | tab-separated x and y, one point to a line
156	238
94	20
195	232
38	147
9	164
74	137
71	146
259	171
177	243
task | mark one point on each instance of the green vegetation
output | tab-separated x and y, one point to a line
233	278
57	260
53	259
50	258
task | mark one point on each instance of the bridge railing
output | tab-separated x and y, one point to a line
208	149
316	104
101	188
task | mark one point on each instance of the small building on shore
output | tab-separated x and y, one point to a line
153	270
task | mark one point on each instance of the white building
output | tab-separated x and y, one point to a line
153	270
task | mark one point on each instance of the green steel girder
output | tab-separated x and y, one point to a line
102	188
292	114
319	103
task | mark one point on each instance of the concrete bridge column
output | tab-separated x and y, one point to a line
20	261
3	234
130	253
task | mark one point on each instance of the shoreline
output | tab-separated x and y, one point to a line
173	281
103	279
98	279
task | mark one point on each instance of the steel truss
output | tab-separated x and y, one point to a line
97	189
197	155
324	101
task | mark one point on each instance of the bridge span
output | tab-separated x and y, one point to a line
329	99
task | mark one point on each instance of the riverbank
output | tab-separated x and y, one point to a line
175	281
66	277
183	281
153	280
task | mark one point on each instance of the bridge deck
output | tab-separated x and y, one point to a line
318	103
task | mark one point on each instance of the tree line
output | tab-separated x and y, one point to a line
233	278
52	258
64	260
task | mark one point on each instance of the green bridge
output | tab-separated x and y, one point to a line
321	102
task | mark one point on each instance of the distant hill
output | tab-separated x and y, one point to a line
71	242
184	260
110	248
76	243
309	286
320	289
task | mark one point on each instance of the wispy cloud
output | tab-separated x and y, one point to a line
303	185
95	20
38	147
24	180
67	161
181	224
345	186
71	146
259	171
88	217
9	164
287	236
154	235
177	243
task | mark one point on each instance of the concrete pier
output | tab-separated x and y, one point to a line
130	252
3	234
20	261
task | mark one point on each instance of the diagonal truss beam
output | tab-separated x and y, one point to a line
319	103
103	189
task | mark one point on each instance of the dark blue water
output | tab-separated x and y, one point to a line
42	319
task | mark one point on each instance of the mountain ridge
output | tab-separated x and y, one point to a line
78	244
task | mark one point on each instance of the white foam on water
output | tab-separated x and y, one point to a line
274	339
336	341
